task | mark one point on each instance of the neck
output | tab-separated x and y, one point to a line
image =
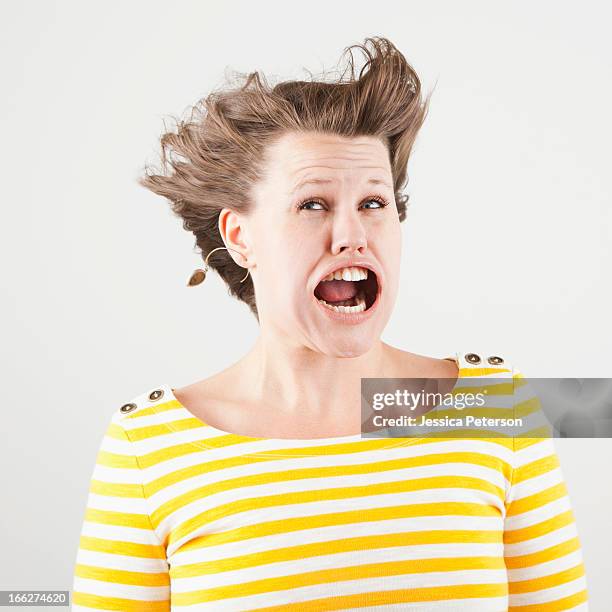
299	380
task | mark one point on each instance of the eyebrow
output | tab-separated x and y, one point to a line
315	181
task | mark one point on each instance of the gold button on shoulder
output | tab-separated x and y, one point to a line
495	360
155	395
128	407
472	358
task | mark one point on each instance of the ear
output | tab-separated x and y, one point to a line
233	233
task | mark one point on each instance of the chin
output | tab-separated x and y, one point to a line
346	348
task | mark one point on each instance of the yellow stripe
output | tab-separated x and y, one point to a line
116	576
539	529
299	497
547	582
231	440
348	517
116	431
112	489
524	409
121	519
153	431
535	468
123	605
528	407
198	469
470	458
566	603
338	546
543	556
198	446
467	372
381	598
541	498
114	460
167	453
293	581
409	538
334	519
117	547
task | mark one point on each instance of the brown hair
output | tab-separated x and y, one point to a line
215	156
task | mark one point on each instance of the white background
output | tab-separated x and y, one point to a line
506	250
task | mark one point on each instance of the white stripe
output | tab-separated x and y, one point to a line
117	532
314	535
538	515
533	452
117	504
117	475
127	591
358	587
120	562
118	447
537	544
306	509
292	483
263	544
203	459
549	595
486	604
545	569
537	484
337	562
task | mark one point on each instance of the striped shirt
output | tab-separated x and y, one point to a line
181	515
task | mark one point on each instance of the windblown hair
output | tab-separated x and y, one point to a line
215	156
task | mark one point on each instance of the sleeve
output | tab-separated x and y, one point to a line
121	563
542	550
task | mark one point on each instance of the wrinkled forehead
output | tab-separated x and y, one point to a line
296	160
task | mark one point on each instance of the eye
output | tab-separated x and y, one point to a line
302	205
381	203
379	200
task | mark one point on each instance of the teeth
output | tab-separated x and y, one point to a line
348	274
359	307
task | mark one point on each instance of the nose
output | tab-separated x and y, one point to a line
348	233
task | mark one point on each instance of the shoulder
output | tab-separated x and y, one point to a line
475	362
144	404
480	362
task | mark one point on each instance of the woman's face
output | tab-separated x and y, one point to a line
300	230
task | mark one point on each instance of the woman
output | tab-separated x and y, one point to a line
254	489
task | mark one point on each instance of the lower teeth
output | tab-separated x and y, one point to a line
359	306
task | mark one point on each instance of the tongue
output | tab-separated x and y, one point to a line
336	290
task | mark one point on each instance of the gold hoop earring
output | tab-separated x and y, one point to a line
199	275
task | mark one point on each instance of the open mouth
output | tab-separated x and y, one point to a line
348	290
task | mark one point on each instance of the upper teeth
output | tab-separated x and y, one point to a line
348	274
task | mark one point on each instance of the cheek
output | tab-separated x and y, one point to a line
391	240
390	254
